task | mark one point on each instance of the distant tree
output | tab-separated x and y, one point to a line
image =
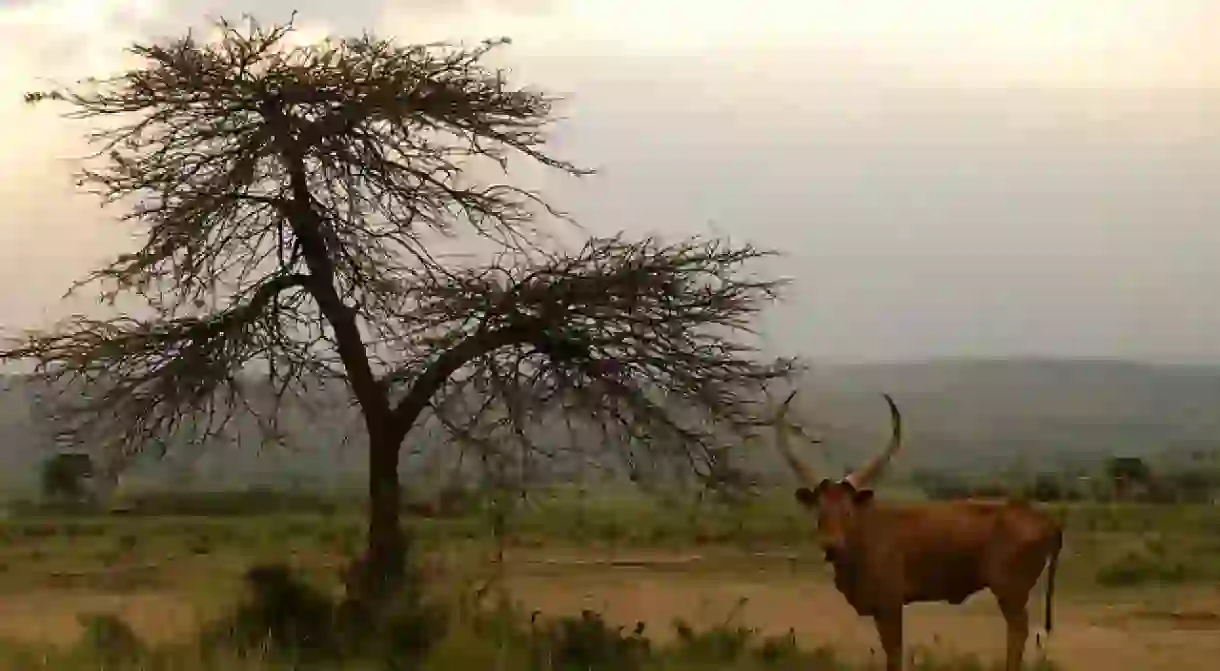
1047	487
66	477
939	486
991	490
288	196
1125	473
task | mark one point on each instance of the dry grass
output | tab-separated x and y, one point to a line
1137	580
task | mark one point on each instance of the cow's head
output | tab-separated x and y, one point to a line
837	503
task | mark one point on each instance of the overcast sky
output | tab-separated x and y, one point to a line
946	177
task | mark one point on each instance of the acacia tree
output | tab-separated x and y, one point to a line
286	196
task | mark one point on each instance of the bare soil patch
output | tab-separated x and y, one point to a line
1088	635
1147	630
50	615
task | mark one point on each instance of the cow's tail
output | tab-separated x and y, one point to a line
1052	564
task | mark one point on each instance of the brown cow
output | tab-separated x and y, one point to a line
888	555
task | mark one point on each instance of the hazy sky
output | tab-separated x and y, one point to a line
946	177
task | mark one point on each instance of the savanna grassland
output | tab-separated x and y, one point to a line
715	586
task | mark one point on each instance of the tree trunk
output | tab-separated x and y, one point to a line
383	570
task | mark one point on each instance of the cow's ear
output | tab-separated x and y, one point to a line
863	497
807	497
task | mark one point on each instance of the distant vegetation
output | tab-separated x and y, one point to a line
1175	484
1106	483
969	420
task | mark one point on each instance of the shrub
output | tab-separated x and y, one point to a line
109	640
588	642
718	645
501	637
1133	569
282	615
402	635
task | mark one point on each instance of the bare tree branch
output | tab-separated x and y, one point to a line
642	336
136	382
248	158
286	195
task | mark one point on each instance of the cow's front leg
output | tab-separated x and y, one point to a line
889	630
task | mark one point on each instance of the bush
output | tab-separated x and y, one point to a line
717	645
499	638
109	640
1137	568
401	637
588	642
285	619
282	615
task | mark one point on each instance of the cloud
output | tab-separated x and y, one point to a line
950	42
966	178
50	234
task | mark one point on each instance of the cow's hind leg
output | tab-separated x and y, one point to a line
889	630
1012	577
1016	617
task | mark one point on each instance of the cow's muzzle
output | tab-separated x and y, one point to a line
832	554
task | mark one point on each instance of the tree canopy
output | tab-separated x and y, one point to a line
289	198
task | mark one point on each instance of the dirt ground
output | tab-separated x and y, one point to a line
1161	629
50	615
1149	630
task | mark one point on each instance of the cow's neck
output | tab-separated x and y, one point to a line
848	571
848	580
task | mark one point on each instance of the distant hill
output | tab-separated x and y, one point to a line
980	414
960	415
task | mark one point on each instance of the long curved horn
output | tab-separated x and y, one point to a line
866	474
782	427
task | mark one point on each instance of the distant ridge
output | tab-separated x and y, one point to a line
961	413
